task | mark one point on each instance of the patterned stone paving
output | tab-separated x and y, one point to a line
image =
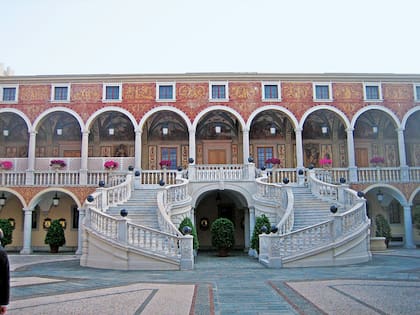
233	285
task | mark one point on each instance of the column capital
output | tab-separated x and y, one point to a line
298	129
349	129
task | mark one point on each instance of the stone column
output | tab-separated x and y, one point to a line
251	251
31	158
82	213
137	150
299	148
351	156
27	231
408	228
84	158
192	144
245	141
402	155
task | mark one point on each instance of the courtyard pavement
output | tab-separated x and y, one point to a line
56	284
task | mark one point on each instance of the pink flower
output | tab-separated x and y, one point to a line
110	165
6	165
272	161
165	163
325	161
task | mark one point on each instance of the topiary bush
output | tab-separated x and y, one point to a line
259	223
7	231
222	233
187	222
55	235
383	228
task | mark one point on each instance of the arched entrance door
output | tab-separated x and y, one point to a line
222	203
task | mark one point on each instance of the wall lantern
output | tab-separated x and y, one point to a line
272	130
111	131
12	222
5	132
165	129
380	196
59	130
375	129
55	200
324	129
63	222
47	223
218	129
2	200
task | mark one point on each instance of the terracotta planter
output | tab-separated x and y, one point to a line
223	252
53	249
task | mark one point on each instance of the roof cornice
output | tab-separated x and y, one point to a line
213	76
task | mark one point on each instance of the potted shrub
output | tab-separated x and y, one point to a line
222	235
275	162
55	236
383	229
325	161
187	222
377	160
7	229
259	223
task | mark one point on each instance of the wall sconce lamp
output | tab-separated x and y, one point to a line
2	201
5	132
12	222
380	196
63	222
272	129
55	200
165	129
111	131
47	223
375	129
218	129
324	129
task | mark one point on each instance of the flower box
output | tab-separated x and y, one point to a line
325	161
6	165
377	160
57	164
165	163
274	161
110	165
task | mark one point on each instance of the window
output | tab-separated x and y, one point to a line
8	93
394	212
60	93
112	92
219	91
322	91
372	92
417	92
74	217
165	91
169	153
264	153
271	91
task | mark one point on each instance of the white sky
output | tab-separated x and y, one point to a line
178	36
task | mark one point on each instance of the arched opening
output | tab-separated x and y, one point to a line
11	209
218	138
165	138
412	139
14	136
55	205
375	136
215	204
272	136
58	135
324	136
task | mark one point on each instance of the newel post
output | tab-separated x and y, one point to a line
187	255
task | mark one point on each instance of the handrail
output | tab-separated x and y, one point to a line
322	189
165	199
282	197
